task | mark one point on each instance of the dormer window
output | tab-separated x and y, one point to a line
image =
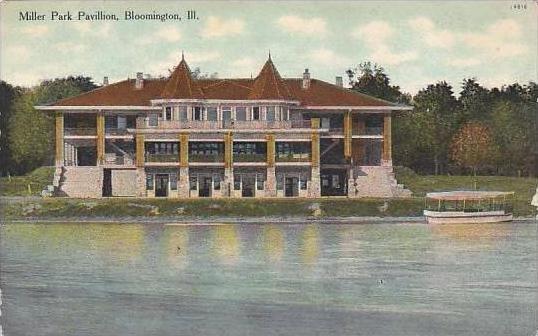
168	113
270	114
256	113
197	113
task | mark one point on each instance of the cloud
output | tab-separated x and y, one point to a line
328	57
376	35
86	28
217	27
463	62
432	36
70	47
18	52
500	40
306	26
35	30
167	34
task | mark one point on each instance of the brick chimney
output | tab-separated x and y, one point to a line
139	82
105	81
339	81
306	79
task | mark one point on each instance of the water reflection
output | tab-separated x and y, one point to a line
310	244
273	242
483	233
226	243
177	246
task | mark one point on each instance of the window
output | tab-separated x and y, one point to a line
302	182
336	181
280	182
198	113
212	113
237	182
259	181
284	113
226	113
168	113
256	113
153	120
173	181
270	113
149	182
216	182
193	182
183	113
241	113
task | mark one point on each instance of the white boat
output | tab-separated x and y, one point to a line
468	207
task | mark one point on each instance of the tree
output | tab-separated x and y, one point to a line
7	94
475	101
473	147
197	74
372	80
31	132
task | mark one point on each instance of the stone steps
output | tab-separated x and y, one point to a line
376	182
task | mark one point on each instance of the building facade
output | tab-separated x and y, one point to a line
262	137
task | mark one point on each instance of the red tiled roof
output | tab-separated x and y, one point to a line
268	85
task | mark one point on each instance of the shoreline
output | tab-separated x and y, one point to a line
171	221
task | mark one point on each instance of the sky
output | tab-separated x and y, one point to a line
418	43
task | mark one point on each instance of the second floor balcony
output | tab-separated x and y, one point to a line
222	124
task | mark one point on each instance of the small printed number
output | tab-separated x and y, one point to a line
519	6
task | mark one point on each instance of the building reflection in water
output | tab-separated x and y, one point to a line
226	243
176	246
310	241
273	242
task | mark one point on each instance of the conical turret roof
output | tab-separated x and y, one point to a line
180	84
269	85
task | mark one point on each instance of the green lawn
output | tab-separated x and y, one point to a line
18	185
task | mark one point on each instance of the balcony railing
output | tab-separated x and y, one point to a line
80	131
206	157
300	157
368	131
225	124
116	131
162	157
250	157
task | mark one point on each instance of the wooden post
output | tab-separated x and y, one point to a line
100	138
387	139
184	150
315	143
271	149
59	128
347	134
140	150
228	150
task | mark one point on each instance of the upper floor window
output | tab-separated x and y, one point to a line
168	113
226	113
153	120
256	113
284	113
270	114
241	113
212	113
198	113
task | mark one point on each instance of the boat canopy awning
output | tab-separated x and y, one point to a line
467	195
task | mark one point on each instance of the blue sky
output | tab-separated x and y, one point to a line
416	42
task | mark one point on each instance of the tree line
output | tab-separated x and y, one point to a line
482	131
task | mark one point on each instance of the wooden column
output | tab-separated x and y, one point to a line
100	138
59	128
387	139
315	143
139	150
184	150
228	150
271	149
347	134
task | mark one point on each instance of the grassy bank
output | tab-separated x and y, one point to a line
27	185
205	208
122	207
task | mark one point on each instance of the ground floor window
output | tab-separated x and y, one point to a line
260	179
216	182
193	182
149	182
173	181
237	182
303	182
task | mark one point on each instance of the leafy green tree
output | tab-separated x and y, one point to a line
475	101
7	95
371	79
31	132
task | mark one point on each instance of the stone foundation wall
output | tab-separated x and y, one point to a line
122	182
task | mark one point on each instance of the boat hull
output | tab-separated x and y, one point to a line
456	217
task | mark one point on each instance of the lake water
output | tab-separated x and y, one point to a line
311	279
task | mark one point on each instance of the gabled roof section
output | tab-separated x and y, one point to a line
269	85
180	84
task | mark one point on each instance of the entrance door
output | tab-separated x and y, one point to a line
205	186
248	185
161	185
292	187
107	182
